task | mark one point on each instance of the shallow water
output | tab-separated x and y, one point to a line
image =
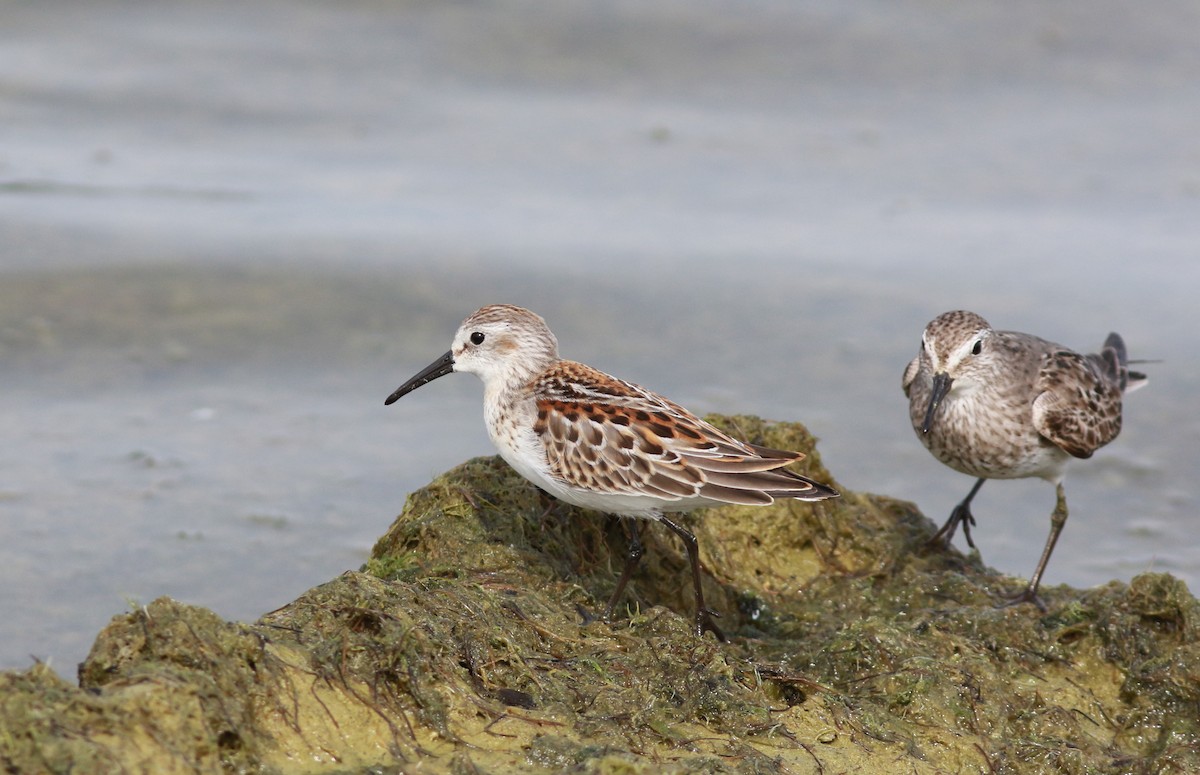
230	231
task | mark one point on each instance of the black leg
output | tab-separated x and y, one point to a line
704	614
1057	520
961	515
632	559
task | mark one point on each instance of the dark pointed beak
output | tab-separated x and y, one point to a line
941	386
439	368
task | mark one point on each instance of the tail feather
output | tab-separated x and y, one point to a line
1115	343
1115	361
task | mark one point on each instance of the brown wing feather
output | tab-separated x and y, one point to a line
1078	407
612	436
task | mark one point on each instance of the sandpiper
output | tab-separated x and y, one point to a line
1006	405
601	443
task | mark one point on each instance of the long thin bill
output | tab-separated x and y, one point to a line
439	368
941	386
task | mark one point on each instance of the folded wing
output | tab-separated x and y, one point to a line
1078	407
612	436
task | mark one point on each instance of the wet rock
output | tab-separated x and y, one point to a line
468	643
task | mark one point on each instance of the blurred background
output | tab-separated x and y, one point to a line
229	230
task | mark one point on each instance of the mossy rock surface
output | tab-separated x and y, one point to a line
468	644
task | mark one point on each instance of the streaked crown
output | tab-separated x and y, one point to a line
501	341
952	339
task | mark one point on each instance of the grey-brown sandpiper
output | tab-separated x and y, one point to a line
1006	405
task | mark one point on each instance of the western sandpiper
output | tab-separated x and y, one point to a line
1007	405
601	443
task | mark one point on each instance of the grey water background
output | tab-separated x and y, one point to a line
229	230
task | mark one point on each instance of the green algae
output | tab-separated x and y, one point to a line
468	644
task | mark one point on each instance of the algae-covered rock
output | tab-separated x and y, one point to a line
468	644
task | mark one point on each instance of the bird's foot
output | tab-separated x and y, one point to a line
960	516
704	622
587	617
1027	595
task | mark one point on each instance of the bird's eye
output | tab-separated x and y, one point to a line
477	337
978	348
